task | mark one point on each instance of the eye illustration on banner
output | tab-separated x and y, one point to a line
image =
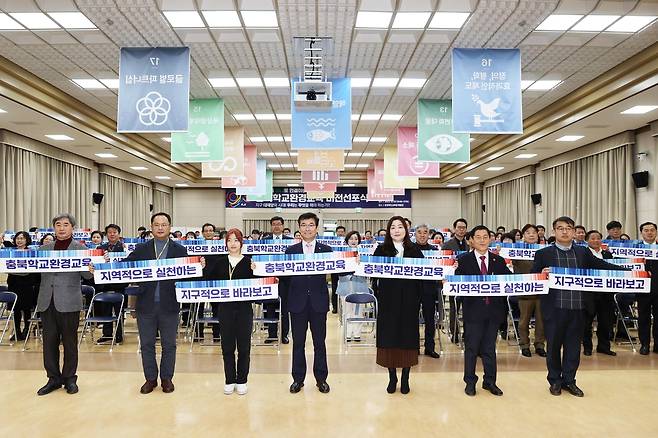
153	109
443	144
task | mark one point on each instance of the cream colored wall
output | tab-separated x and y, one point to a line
194	207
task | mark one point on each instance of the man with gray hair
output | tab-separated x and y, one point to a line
60	303
431	293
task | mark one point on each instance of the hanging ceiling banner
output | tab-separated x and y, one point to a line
408	164
391	178
321	160
267	196
373	194
320	187
436	140
248	177
486	91
205	138
319	195
232	163
331	176
154	89
260	188
324	129
379	186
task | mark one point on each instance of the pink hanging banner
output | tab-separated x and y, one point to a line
379	181
408	164
320	187
372	194
326	176
249	177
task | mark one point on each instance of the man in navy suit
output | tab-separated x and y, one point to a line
564	310
308	304
482	316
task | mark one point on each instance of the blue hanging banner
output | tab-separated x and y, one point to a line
154	89
486	91
324	130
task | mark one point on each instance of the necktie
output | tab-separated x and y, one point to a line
483	271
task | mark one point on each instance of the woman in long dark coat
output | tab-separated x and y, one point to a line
399	302
25	287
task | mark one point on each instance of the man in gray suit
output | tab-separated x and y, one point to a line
60	303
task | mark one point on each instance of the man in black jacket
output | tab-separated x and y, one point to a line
429	295
114	244
647	304
457	243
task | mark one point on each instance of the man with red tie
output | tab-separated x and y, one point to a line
482	316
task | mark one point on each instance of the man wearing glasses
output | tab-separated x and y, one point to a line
457	243
564	310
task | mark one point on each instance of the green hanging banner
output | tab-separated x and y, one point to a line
204	139
436	141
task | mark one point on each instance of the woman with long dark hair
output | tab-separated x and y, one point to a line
399	303
25	287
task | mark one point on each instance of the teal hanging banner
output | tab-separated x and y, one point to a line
204	139
267	196
436	140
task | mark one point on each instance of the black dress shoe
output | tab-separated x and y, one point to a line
526	352
432	353
270	340
492	388
587	352
285	340
609	352
71	387
296	387
540	352
52	385
323	387
555	389
167	386
644	350
470	389
572	389
148	386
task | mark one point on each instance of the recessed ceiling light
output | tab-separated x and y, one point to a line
355	117
105	155
34	20
525	156
167	139
361	139
6	23
287	166
526	84
287	138
184	18
640	109
631	23
277	82
275	138
384	82
284	116
391	117
378	139
72	20
138	168
249	82
222	18
266	154
362	165
88	84
182	185
222	82
293	154
260	140
594	23
354	154
274	166
411	20
59	137
370	116
544	85
494	168
259	18
369	154
570	138
448	20
412	83
265	117
360	82
281	154
471	178
162	177
112	84
350	166
245	116
559	22
454	185
2	111
292	185
373	20
348	185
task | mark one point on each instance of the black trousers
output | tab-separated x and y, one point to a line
334	295
480	340
454	312
605	316
647	305
564	333
235	329
428	301
106	309
149	325
60	327
300	323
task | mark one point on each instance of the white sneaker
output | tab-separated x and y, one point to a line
241	388
228	389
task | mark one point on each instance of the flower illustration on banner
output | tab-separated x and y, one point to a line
153	109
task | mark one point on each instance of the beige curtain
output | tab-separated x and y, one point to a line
472	208
509	204
163	200
34	188
593	190
125	203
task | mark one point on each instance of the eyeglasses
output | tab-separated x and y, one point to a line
563	229
307	226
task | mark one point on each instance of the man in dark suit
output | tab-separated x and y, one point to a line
457	243
272	306
308	303
564	310
482	316
429	295
113	244
647	304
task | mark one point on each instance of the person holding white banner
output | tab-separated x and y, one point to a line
398	340
647	304
564	310
236	318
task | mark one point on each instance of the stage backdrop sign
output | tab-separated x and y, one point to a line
154	89
436	140
204	139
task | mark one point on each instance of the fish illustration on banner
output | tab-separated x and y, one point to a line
261	182
408	164
391	178
248	177
330	129
436	140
